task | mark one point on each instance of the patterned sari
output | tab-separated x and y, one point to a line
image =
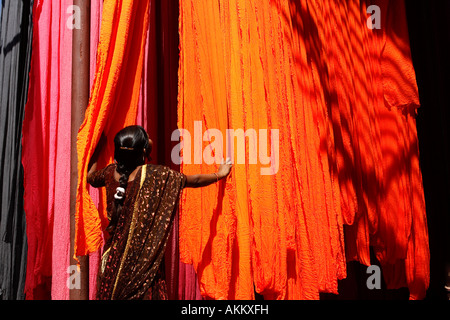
132	262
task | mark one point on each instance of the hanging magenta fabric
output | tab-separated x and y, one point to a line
112	106
46	153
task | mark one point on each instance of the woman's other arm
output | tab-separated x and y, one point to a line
203	180
93	163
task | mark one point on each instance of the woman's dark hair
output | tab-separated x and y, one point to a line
131	147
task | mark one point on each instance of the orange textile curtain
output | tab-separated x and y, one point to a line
275	226
112	106
320	108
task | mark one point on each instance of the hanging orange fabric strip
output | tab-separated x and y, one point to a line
112	106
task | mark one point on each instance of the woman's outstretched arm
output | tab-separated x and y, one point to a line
203	180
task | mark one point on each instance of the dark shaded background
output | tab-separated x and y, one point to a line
429	30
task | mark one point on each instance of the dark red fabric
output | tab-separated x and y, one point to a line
157	113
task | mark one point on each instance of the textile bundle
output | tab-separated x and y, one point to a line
46	153
343	97
48	115
47	276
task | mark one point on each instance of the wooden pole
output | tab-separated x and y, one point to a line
80	100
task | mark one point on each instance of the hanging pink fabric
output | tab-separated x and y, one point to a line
46	153
47	117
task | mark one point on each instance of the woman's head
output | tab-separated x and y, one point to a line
131	147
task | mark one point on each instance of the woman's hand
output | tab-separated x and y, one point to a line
92	166
225	169
203	180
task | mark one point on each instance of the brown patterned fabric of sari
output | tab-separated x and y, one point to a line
132	263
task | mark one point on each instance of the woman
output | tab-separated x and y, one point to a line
141	202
